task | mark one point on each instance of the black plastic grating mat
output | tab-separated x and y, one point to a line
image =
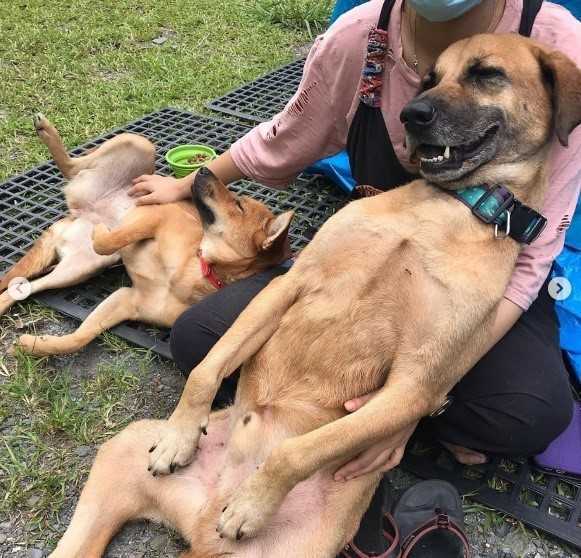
30	202
510	485
263	98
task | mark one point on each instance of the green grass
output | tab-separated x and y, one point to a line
52	413
91	64
311	15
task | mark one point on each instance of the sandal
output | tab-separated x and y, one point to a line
426	522
378	533
390	535
430	520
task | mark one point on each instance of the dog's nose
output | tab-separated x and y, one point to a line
418	113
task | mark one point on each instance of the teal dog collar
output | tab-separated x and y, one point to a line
497	206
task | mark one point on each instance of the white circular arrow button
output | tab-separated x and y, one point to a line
560	288
19	288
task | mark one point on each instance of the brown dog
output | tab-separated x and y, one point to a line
159	245
395	292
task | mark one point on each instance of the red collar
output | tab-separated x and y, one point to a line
209	273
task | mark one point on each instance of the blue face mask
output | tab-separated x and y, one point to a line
442	10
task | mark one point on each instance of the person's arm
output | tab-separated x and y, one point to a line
313	124
273	152
388	453
153	188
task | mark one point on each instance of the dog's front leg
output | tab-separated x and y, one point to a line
397	405
248	333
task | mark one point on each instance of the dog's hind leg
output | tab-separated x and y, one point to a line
39	258
117	308
70	166
78	264
49	135
113	495
407	396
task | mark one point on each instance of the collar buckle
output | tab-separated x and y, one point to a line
506	231
504	199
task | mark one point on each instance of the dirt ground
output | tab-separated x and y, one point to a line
30	527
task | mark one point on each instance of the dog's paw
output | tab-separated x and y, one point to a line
41	124
176	448
39	120
250	509
30	344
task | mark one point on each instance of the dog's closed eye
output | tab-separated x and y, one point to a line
486	74
239	204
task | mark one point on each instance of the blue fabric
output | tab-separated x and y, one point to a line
574	6
568	265
337	168
343	6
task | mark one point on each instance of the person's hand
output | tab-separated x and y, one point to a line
153	188
383	456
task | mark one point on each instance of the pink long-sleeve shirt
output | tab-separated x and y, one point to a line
315	122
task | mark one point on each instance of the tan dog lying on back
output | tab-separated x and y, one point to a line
395	292
158	245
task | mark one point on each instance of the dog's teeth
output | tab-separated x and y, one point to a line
447	152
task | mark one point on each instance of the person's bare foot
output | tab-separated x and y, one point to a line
466	456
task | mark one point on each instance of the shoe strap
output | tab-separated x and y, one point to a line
351	550
441	521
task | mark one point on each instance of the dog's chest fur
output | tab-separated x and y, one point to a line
413	260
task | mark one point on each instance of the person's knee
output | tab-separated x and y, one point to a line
544	425
190	339
519	424
549	423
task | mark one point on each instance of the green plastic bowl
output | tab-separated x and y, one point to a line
178	158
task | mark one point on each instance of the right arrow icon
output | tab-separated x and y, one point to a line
560	288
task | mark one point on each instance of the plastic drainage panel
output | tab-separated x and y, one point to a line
32	201
263	98
510	485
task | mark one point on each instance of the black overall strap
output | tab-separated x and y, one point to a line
371	153
385	15
530	9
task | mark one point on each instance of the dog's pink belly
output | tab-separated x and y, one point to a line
220	467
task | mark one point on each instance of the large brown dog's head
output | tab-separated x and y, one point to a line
489	107
238	231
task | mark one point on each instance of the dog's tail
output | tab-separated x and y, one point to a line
36	261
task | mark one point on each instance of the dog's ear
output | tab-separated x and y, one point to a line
277	229
564	79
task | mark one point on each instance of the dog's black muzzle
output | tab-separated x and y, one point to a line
202	189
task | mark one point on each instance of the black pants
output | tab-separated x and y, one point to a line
515	401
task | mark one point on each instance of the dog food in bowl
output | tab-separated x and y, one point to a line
185	159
